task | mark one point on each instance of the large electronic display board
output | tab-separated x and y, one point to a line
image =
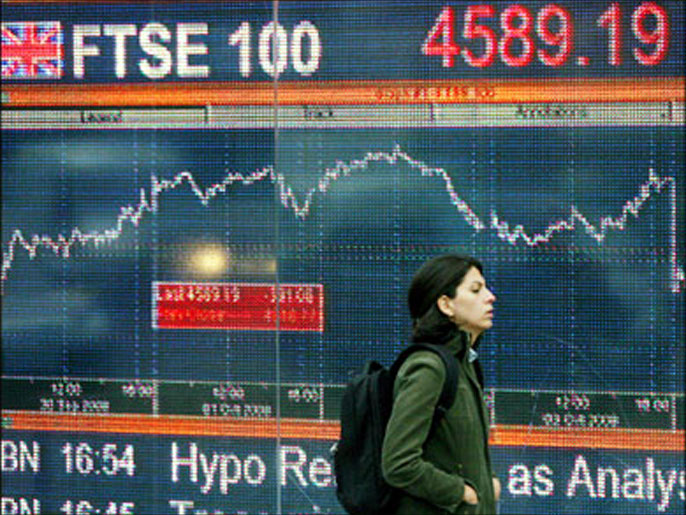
211	212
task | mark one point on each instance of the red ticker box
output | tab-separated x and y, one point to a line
238	306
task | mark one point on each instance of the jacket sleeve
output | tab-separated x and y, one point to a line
417	388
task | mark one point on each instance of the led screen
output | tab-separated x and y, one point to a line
212	213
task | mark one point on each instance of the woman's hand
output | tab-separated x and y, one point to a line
470	496
497	488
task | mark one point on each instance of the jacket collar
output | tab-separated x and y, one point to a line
459	343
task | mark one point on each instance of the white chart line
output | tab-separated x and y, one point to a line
149	203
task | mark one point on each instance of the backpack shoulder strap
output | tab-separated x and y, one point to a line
451	372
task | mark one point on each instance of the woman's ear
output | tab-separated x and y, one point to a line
444	306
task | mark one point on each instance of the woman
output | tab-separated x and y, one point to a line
446	468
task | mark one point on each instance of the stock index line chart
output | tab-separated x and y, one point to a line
149	200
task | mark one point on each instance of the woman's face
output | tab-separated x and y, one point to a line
471	309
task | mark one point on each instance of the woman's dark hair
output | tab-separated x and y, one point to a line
438	276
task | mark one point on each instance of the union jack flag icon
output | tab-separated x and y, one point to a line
32	50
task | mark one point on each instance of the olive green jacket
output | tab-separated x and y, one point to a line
432	465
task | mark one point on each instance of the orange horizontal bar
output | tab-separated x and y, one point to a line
501	435
172	425
589	438
346	92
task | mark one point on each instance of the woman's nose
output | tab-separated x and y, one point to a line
491	297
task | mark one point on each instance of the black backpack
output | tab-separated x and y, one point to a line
365	410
